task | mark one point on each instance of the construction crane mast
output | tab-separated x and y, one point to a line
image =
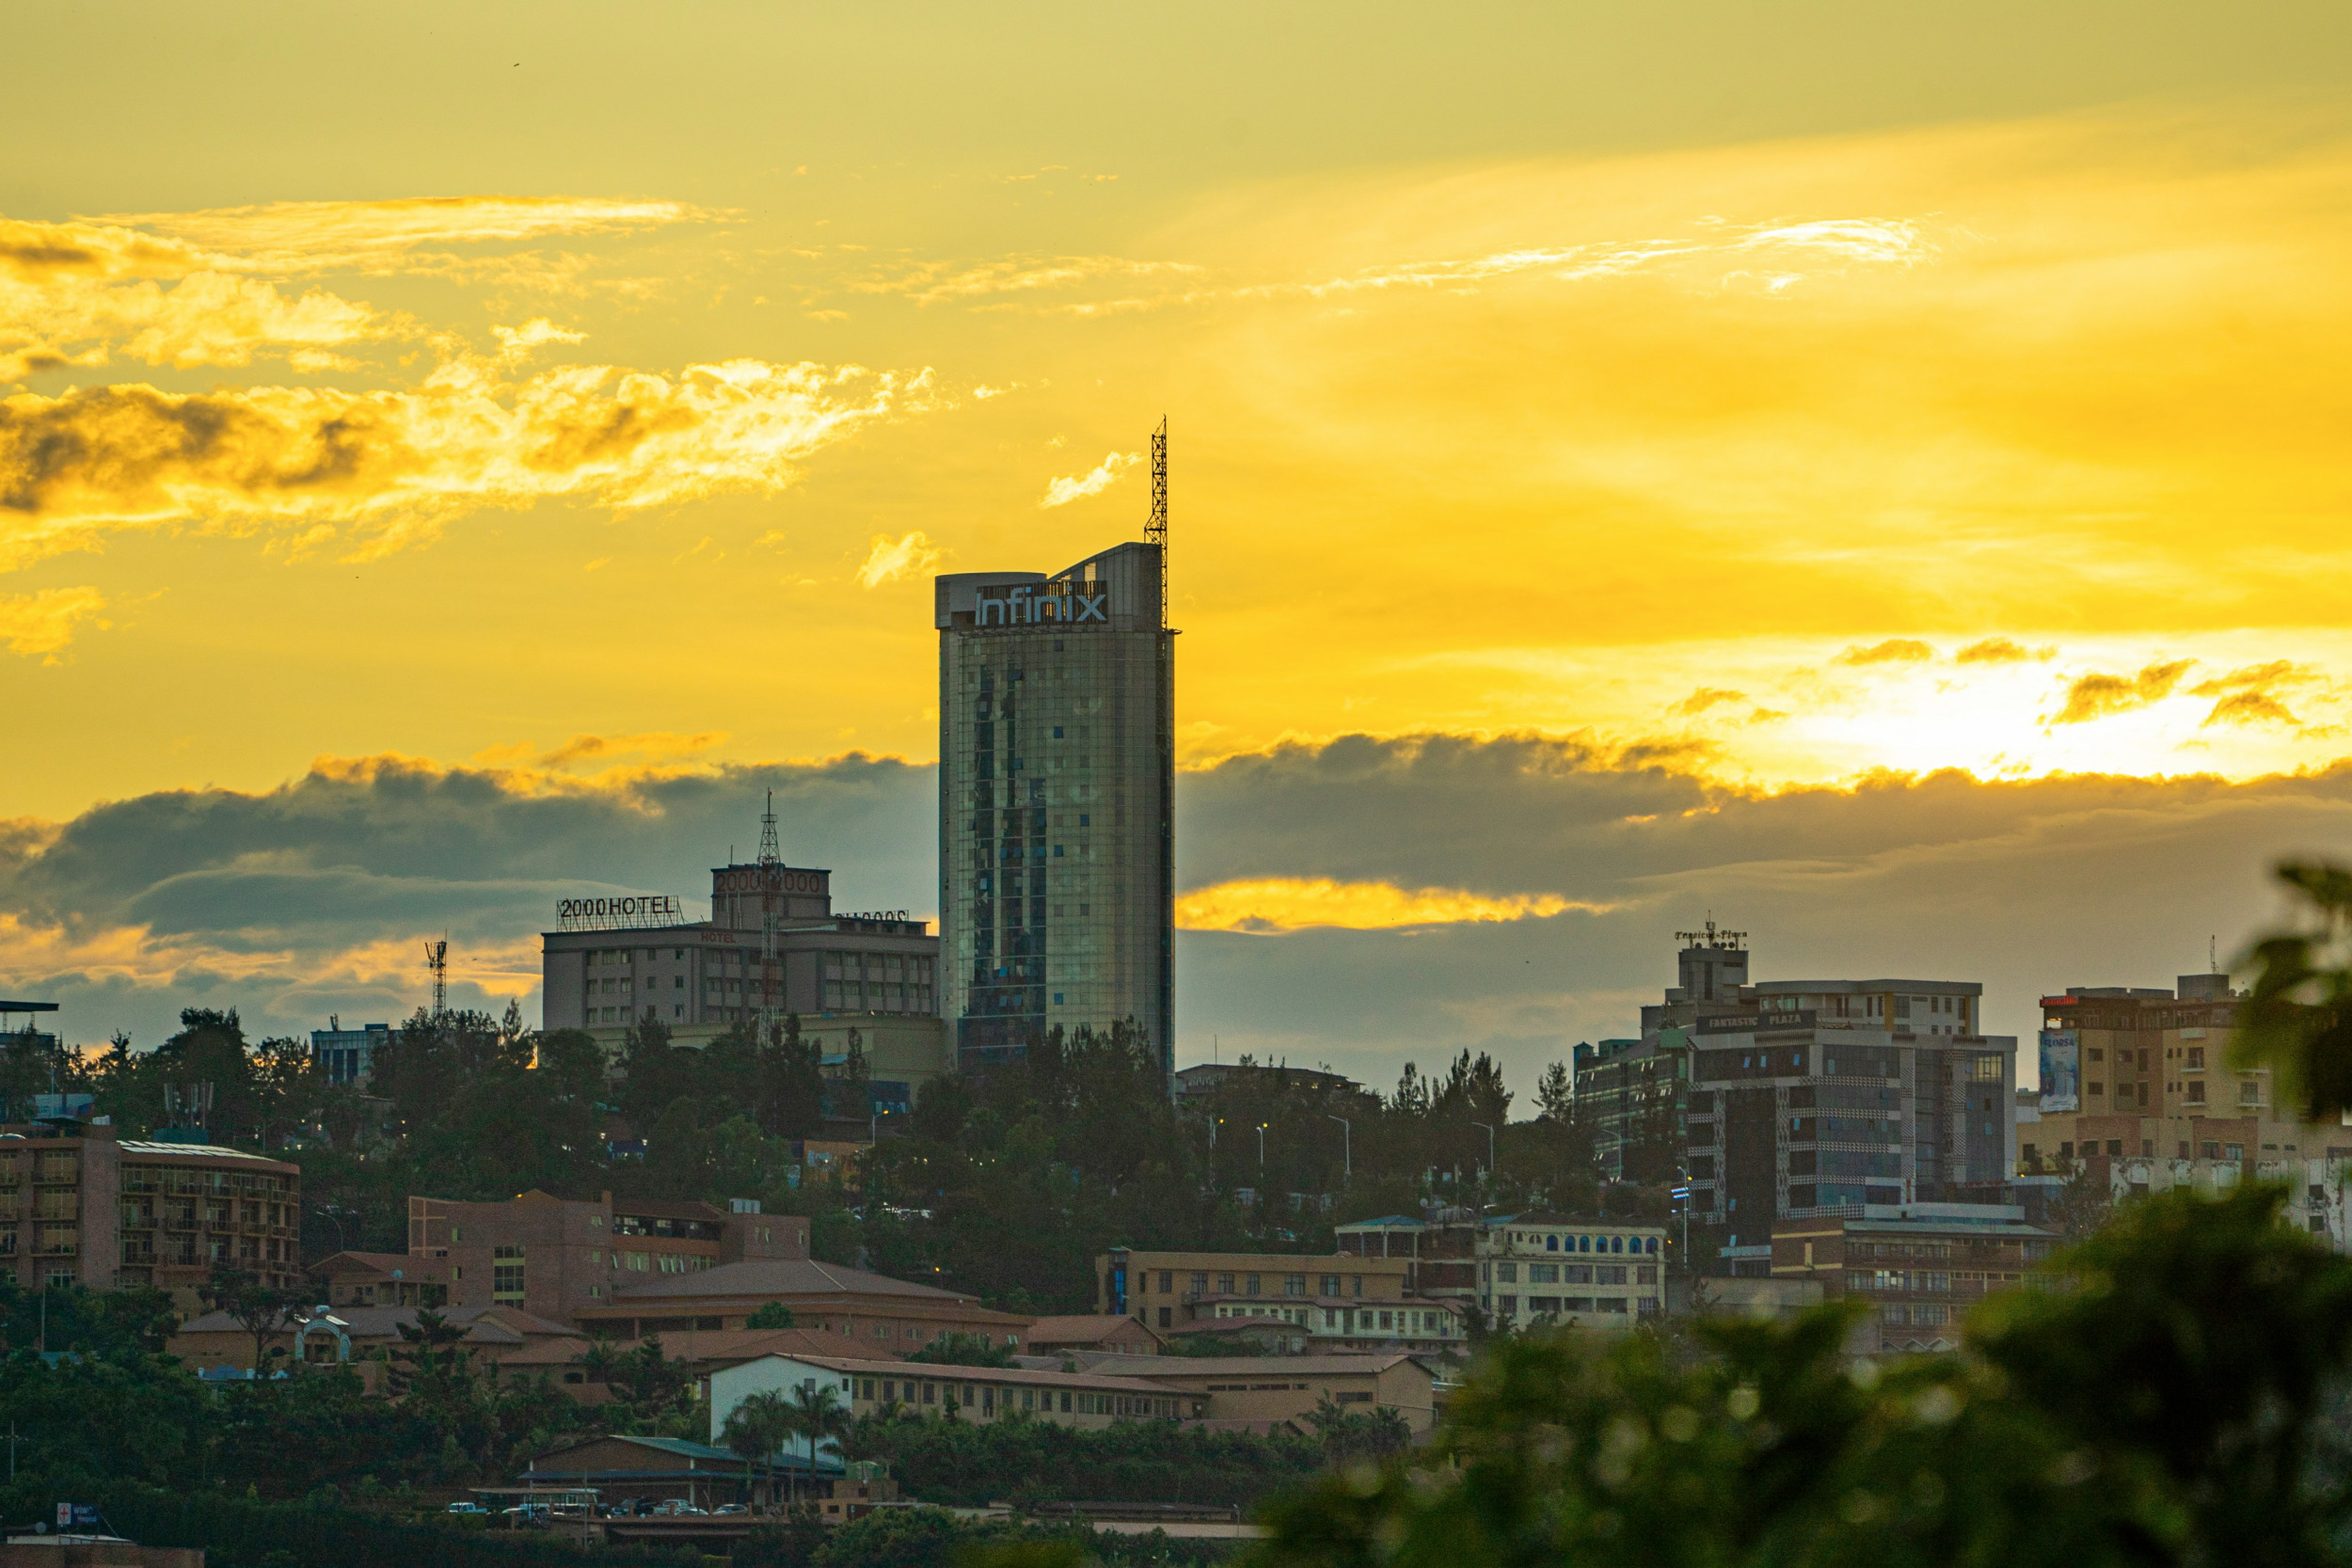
771	918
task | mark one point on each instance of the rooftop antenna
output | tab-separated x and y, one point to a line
436	960
1155	531
771	888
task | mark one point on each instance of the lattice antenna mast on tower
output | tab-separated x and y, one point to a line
436	960
1155	531
770	917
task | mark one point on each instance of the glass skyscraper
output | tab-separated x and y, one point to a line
1056	775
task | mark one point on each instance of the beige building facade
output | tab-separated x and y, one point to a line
86	1208
1087	1400
559	1258
1291	1387
1329	1303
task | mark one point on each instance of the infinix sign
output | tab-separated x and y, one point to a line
1025	607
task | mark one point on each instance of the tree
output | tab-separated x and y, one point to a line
818	1417
1556	1094
2162	1399
774	1314
261	1310
1348	1436
759	1427
2297	1017
964	1350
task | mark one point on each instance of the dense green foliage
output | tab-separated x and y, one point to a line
242	1532
971	1464
2296	1018
1012	1184
2165	1400
933	1538
964	1350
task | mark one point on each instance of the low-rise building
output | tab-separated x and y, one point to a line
1921	1266
559	1258
355	1335
629	1471
1291	1388
1120	1333
581	1364
870	1311
382	1279
1522	1270
1090	1400
1205	1078
1337	1303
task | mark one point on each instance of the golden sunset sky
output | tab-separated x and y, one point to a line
576	399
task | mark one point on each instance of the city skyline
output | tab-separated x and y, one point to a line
1811	468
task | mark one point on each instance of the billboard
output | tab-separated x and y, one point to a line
2061	1072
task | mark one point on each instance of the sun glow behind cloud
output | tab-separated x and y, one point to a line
1266	906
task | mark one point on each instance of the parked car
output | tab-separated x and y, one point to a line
468	1507
731	1508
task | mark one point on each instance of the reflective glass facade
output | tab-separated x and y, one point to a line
1057	752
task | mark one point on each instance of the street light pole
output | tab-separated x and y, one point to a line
1490	1146
1347	1158
1262	1145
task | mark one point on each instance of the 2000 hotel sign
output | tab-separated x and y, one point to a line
648	908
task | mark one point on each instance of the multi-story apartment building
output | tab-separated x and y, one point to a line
1835	1095
1517	1271
2115	1051
1325	1304
2136	1084
79	1206
1921	1266
557	1259
1056	788
1635	1094
347	1057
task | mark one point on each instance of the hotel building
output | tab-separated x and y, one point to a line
615	959
1057	773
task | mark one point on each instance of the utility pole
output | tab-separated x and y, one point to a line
1347	1158
1490	1146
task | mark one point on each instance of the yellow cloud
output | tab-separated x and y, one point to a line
381	236
69	316
932	282
401	461
1894	650
2094	696
1061	492
2001	650
516	342
889	561
42	623
1289	904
